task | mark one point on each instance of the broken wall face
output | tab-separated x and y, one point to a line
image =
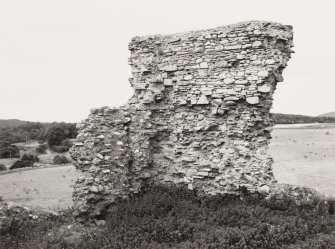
199	117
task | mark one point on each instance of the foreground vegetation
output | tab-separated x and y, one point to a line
176	218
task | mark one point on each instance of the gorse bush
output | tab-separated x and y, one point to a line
27	160
179	219
60	160
42	148
2	167
30	157
21	164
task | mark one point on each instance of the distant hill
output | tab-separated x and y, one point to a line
11	122
328	114
280	118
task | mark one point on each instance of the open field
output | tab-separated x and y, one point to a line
304	155
49	188
30	148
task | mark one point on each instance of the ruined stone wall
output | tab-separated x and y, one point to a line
199	116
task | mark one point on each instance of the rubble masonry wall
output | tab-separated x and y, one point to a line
199	117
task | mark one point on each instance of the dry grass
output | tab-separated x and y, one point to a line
48	188
305	156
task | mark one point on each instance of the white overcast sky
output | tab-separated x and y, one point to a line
60	58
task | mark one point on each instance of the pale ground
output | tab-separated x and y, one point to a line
303	156
49	188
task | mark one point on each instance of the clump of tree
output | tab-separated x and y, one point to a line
58	159
58	136
54	134
21	133
27	160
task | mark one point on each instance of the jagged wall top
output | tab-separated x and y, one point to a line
207	62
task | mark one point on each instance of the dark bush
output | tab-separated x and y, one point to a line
60	149
2	167
30	157
67	142
42	148
60	160
9	151
21	164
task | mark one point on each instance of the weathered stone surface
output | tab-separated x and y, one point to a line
253	100
199	117
203	100
228	80
264	89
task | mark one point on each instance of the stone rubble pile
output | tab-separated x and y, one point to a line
199	117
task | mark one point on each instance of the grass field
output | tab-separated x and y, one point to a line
303	156
48	188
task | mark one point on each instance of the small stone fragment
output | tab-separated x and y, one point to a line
257	44
170	68
264	89
265	189
168	82
203	100
263	73
203	65
188	77
270	61
228	81
253	100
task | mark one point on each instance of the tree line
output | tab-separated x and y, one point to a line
280	118
56	135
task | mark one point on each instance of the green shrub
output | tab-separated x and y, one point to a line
2	167
21	164
60	160
42	148
30	157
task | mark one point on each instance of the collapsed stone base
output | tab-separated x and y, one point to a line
200	117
